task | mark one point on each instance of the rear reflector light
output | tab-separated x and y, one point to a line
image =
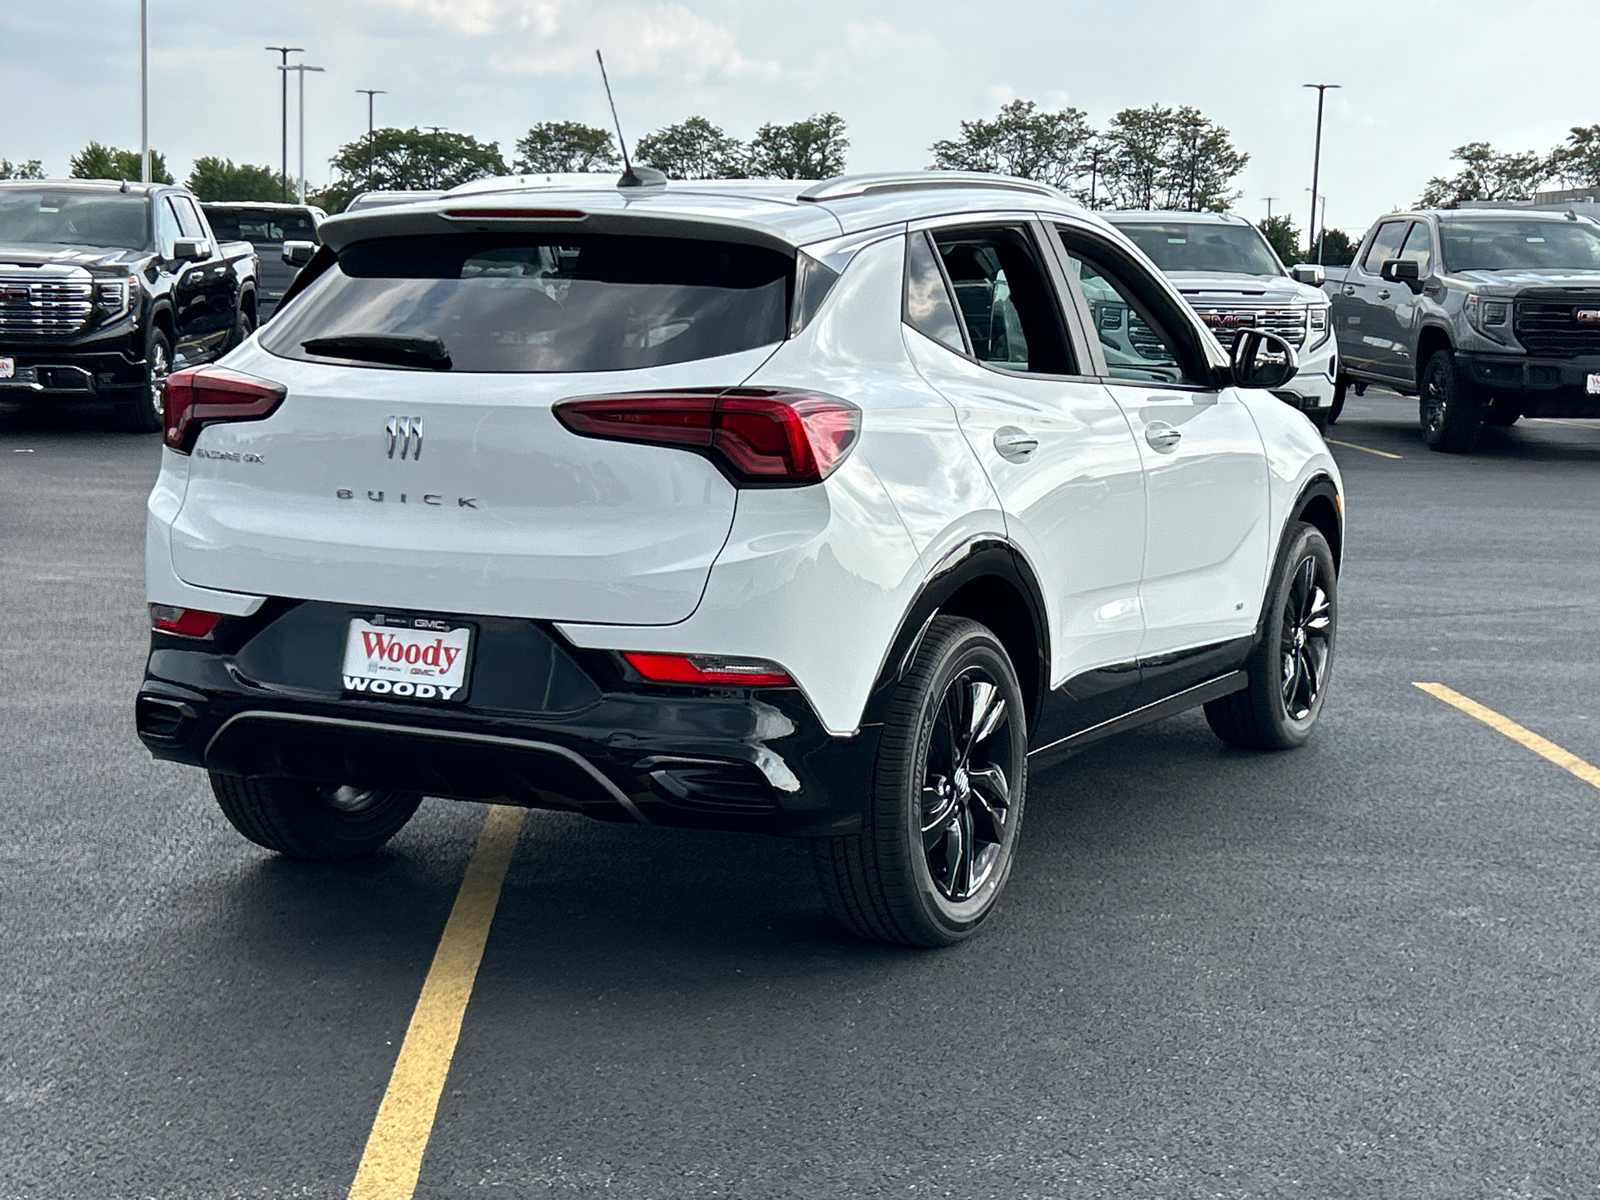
716	669
771	436
185	622
204	396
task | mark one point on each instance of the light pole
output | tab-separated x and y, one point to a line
433	181
302	69
144	91
369	93
285	51
1316	158
1321	226
1269	200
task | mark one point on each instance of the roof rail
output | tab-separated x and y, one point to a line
846	186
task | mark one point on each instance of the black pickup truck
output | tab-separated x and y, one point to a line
106	287
1486	316
284	235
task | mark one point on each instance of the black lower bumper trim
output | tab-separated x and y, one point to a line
1539	387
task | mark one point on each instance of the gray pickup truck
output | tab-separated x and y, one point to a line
1485	316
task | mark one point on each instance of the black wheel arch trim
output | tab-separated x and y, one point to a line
1318	487
960	576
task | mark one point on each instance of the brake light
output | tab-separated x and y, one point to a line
204	396
772	436
185	622
719	669
517	214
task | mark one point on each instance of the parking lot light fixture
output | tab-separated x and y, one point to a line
283	68
369	93
1316	156
302	68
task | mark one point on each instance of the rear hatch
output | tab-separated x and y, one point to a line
416	486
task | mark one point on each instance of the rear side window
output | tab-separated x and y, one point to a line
556	303
1005	300
927	306
261	227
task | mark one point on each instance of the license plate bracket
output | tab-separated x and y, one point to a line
407	658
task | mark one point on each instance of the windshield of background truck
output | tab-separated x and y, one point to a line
1225	249
263	227
532	302
1520	245
40	216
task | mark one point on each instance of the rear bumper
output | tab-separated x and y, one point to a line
544	726
1541	387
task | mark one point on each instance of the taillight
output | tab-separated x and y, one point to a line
771	436
204	396
185	622
718	669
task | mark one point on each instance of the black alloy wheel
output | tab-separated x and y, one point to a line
1293	657
939	837
1449	408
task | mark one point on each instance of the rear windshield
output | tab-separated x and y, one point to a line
110	220
1520	245
571	302
262	227
1229	249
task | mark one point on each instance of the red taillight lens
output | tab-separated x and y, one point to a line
204	396
185	622
718	669
758	435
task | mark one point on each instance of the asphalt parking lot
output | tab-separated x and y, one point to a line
1368	968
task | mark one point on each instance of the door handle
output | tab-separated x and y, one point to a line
1162	436
1013	444
1349	289
1384	294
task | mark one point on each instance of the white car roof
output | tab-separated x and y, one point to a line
784	212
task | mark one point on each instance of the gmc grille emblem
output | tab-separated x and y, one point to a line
1587	316
404	434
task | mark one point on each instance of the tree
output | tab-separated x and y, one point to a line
1487	174
810	149
1048	147
95	161
1169	158
693	149
1283	237
218	179
1576	162
408	160
31	169
1337	251
560	146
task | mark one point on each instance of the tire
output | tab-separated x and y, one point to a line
243	327
1340	387
1450	410
306	821
939	836
1290	666
1501	414
142	411
1319	417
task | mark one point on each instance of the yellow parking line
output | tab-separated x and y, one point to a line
1368	449
1564	759
393	1157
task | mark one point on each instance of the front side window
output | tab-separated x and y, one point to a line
928	308
1226	249
1531	245
1419	248
536	302
1135	345
167	229
39	216
1385	245
188	219
1004	300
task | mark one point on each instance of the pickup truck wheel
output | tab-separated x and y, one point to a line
142	412
940	833
1340	387
306	821
1289	667
1450	409
243	327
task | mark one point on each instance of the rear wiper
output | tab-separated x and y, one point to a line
396	349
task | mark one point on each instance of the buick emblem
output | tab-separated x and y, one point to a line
1587	316
405	435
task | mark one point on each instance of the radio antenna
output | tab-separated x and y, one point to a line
631	176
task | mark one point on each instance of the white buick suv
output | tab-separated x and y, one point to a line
808	509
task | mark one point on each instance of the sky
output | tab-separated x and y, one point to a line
1418	77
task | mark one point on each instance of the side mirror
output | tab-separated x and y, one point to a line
1403	270
298	254
1263	360
1308	273
191	249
